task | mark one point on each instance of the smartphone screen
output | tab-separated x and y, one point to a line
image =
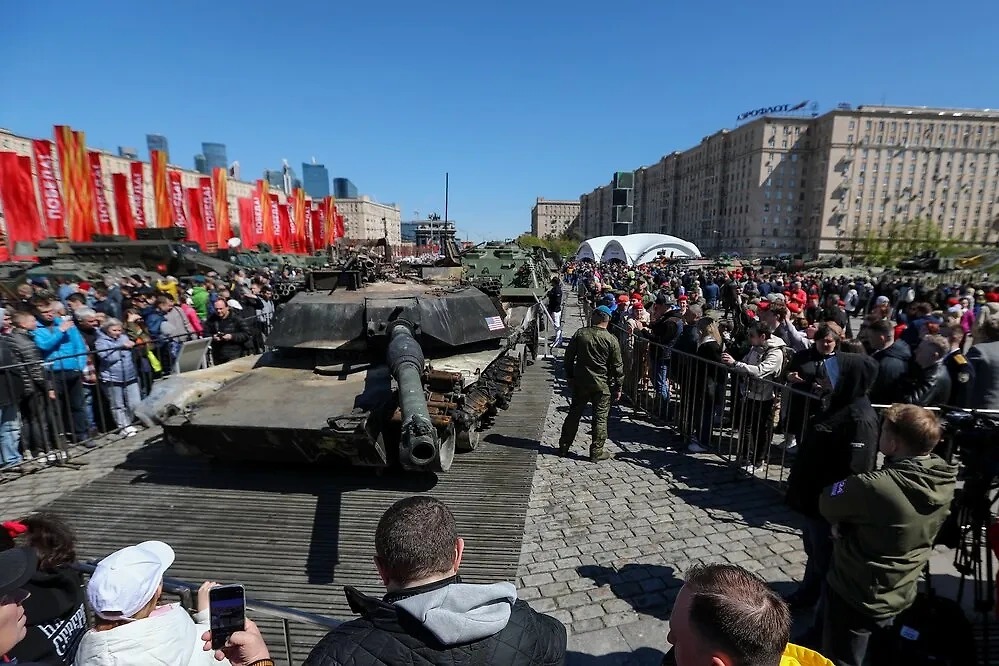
226	612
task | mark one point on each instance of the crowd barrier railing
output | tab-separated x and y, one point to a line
62	406
743	419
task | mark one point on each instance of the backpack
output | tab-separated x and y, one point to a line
785	365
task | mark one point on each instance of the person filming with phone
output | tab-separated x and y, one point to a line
130	627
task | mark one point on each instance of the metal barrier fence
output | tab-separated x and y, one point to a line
61	405
186	593
745	420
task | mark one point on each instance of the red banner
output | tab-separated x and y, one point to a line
266	228
284	216
177	215
101	209
195	225
207	198
276	224
17	190
329	219
299	220
319	226
77	183
220	189
137	174
52	209
338	230
292	226
247	207
259	219
161	190
122	205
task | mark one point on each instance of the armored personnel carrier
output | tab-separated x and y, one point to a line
361	371
507	270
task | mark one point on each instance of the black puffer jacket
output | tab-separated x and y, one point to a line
893	362
438	627
841	441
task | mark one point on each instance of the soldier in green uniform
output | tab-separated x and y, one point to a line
962	373
594	369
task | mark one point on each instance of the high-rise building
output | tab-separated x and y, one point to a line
157	142
128	152
831	184
215	156
201	165
283	179
316	179
344	189
551	218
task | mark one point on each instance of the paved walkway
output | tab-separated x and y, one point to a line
606	544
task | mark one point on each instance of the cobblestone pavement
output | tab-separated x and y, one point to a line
606	544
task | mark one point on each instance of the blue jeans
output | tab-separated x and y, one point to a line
10	435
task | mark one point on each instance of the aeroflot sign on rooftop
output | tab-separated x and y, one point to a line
769	110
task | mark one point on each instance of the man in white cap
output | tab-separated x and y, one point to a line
129	625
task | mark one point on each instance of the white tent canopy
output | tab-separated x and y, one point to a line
636	249
593	249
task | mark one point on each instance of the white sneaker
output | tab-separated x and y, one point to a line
695	447
790	443
749	469
27	455
50	456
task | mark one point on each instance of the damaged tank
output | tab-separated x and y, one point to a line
360	370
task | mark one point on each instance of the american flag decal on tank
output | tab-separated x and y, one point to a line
495	323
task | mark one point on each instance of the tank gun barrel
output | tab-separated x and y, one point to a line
418	445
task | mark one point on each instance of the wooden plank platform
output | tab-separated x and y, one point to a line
295	536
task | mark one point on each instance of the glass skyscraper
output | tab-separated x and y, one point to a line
200	165
215	156
283	179
317	180
344	189
157	142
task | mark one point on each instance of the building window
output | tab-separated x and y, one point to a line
853	123
766	209
849	138
867	125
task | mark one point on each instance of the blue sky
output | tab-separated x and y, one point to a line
515	99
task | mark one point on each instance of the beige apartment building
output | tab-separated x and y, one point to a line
364	219
821	185
551	218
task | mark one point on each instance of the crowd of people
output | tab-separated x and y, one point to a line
763	350
76	358
884	524
764	353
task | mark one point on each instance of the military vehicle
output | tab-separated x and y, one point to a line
155	251
507	271
361	370
928	260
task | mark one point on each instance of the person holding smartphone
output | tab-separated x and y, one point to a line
130	627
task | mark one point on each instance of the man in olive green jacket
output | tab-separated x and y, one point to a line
593	368
884	523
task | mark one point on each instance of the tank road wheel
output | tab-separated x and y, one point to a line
445	454
467	440
520	351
